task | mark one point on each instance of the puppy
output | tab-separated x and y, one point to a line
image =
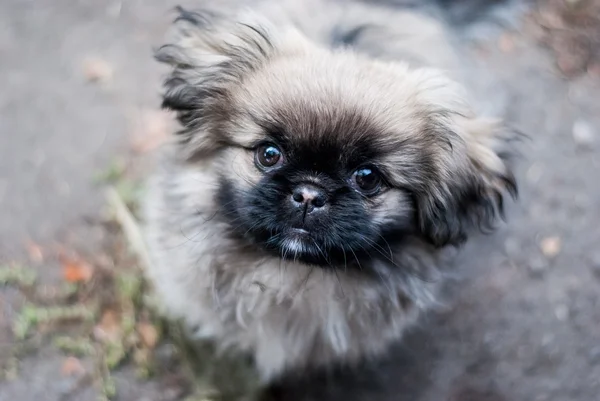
303	211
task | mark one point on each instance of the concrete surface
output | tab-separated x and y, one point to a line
521	325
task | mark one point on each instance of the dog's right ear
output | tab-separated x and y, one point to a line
209	56
476	182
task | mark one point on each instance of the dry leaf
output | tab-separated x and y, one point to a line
550	19
506	43
550	246
593	69
75	269
569	64
35	252
109	327
72	367
148	334
96	70
150	129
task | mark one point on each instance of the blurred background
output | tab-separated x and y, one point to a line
79	110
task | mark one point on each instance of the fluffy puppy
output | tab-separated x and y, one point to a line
301	213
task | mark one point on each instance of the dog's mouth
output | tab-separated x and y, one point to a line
299	244
303	245
298	231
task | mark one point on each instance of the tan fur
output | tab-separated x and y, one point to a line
286	314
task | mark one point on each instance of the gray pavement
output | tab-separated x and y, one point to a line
523	324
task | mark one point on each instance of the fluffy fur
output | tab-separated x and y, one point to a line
336	88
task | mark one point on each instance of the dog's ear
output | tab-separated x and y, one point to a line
476	178
209	55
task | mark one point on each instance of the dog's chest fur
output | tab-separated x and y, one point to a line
288	315
284	314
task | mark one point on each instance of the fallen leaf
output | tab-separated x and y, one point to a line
72	367
75	269
15	275
150	128
550	246
569	65
113	172
35	252
506	43
148	334
593	69
97	70
109	328
550	19
572	54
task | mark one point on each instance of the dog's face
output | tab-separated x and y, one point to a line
313	185
327	157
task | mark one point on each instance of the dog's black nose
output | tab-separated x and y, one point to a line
309	197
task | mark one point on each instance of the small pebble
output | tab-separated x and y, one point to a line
547	340
66	386
72	367
97	70
583	134
114	9
535	173
550	246
562	312
537	267
595	264
506	43
593	70
173	393
512	246
594	355
165	353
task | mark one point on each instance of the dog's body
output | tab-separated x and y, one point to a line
225	255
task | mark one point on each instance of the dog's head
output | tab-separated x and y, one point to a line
325	155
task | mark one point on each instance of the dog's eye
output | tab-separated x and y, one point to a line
268	155
367	180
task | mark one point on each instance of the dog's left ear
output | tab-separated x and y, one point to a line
210	55
472	182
